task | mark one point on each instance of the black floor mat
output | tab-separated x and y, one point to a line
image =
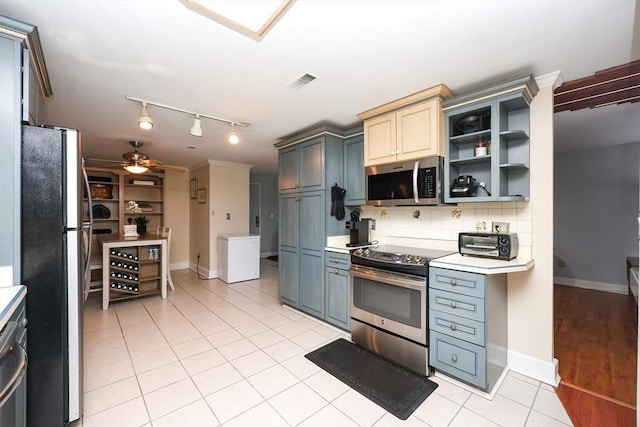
273	258
390	386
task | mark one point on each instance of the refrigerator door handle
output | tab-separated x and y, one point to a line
89	227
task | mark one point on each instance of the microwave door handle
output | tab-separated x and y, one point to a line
416	197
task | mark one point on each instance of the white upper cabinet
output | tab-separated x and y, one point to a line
406	129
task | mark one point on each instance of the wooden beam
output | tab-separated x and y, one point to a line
615	85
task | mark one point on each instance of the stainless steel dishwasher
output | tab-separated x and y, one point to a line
13	369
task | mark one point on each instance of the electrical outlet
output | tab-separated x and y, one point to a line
500	227
228	215
198	254
373	224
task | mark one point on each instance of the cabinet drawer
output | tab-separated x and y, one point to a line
458	358
460	282
456	326
338	260
459	305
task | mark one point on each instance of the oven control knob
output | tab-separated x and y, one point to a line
359	251
367	251
418	258
408	258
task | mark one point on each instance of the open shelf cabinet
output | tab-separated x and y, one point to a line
497	116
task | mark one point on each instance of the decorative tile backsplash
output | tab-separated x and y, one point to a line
445	222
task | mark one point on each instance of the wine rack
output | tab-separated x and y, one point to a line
134	271
133	268
124	271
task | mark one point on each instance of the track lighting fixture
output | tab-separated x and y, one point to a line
136	167
233	136
196	129
145	122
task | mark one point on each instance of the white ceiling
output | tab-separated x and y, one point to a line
364	53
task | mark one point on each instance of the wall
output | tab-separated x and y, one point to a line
229	203
531	293
443	223
268	213
199	223
596	204
227	192
176	214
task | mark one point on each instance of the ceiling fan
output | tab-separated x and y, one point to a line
135	161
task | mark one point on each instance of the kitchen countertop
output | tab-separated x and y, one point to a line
482	265
339	244
10	297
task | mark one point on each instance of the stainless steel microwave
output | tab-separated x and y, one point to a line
409	183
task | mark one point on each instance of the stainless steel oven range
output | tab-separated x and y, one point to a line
389	292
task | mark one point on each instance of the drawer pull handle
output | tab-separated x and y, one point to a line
453	304
454	358
453	327
454	283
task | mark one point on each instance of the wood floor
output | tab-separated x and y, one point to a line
595	341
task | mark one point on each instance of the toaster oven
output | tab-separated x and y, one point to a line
489	245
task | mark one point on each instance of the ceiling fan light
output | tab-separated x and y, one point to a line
144	121
136	168
196	129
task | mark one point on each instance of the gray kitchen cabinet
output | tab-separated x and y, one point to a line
18	86
354	171
288	253
337	290
301	168
312	241
309	165
497	118
468	325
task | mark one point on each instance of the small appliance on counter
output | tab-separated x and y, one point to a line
464	186
359	230
502	246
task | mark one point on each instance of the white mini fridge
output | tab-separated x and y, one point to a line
238	257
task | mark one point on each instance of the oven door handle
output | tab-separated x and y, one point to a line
390	279
9	347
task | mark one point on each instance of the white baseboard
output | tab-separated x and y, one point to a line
614	288
266	254
209	274
547	372
179	265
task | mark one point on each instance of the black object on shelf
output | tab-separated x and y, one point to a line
102	231
99	178
101	212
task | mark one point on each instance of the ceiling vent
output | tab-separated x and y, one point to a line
302	81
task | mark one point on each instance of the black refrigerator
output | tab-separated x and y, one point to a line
53	268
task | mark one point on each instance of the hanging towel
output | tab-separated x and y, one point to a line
337	201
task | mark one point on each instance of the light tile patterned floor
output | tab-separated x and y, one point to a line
216	354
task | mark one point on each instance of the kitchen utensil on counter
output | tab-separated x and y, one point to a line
359	232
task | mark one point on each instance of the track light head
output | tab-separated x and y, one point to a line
232	136
196	129
144	121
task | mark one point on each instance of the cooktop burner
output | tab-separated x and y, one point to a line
392	257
